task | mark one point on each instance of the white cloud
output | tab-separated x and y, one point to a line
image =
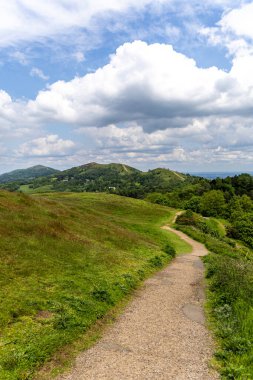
35	72
50	145
140	82
204	132
149	103
152	84
8	110
20	57
239	21
234	31
133	138
28	20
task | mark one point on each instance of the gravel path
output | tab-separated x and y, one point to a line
161	334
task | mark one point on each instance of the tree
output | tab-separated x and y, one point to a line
193	204
213	203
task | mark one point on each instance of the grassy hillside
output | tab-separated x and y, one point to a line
27	174
66	259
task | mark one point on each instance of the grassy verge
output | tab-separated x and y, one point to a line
229	270
66	261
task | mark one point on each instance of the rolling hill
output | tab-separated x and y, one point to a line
115	178
27	174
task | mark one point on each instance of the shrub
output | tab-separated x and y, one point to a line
156	261
169	250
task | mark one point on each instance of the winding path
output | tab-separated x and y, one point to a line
161	334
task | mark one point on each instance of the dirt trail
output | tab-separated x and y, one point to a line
161	334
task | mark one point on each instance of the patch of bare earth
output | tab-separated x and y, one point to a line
162	333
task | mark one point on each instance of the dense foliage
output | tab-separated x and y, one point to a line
229	198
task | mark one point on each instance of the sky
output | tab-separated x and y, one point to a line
161	83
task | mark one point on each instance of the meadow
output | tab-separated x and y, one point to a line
66	261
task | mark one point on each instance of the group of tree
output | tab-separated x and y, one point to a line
230	198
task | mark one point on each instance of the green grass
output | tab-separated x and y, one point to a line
216	225
42	189
66	261
229	270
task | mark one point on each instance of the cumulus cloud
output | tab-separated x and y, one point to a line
140	82
145	90
9	111
234	31
152	84
239	21
50	145
148	103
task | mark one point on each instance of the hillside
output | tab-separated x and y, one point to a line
115	178
27	174
66	259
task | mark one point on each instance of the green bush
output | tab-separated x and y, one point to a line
156	261
169	250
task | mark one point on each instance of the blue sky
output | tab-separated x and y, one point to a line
160	83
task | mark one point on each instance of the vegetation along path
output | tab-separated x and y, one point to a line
162	334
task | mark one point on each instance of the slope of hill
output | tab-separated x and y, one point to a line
66	259
27	174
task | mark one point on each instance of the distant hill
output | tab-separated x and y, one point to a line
94	177
94	169
115	178
27	174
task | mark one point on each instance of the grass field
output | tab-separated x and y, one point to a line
66	260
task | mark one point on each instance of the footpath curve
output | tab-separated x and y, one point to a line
162	333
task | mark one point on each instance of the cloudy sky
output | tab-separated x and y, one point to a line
161	83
